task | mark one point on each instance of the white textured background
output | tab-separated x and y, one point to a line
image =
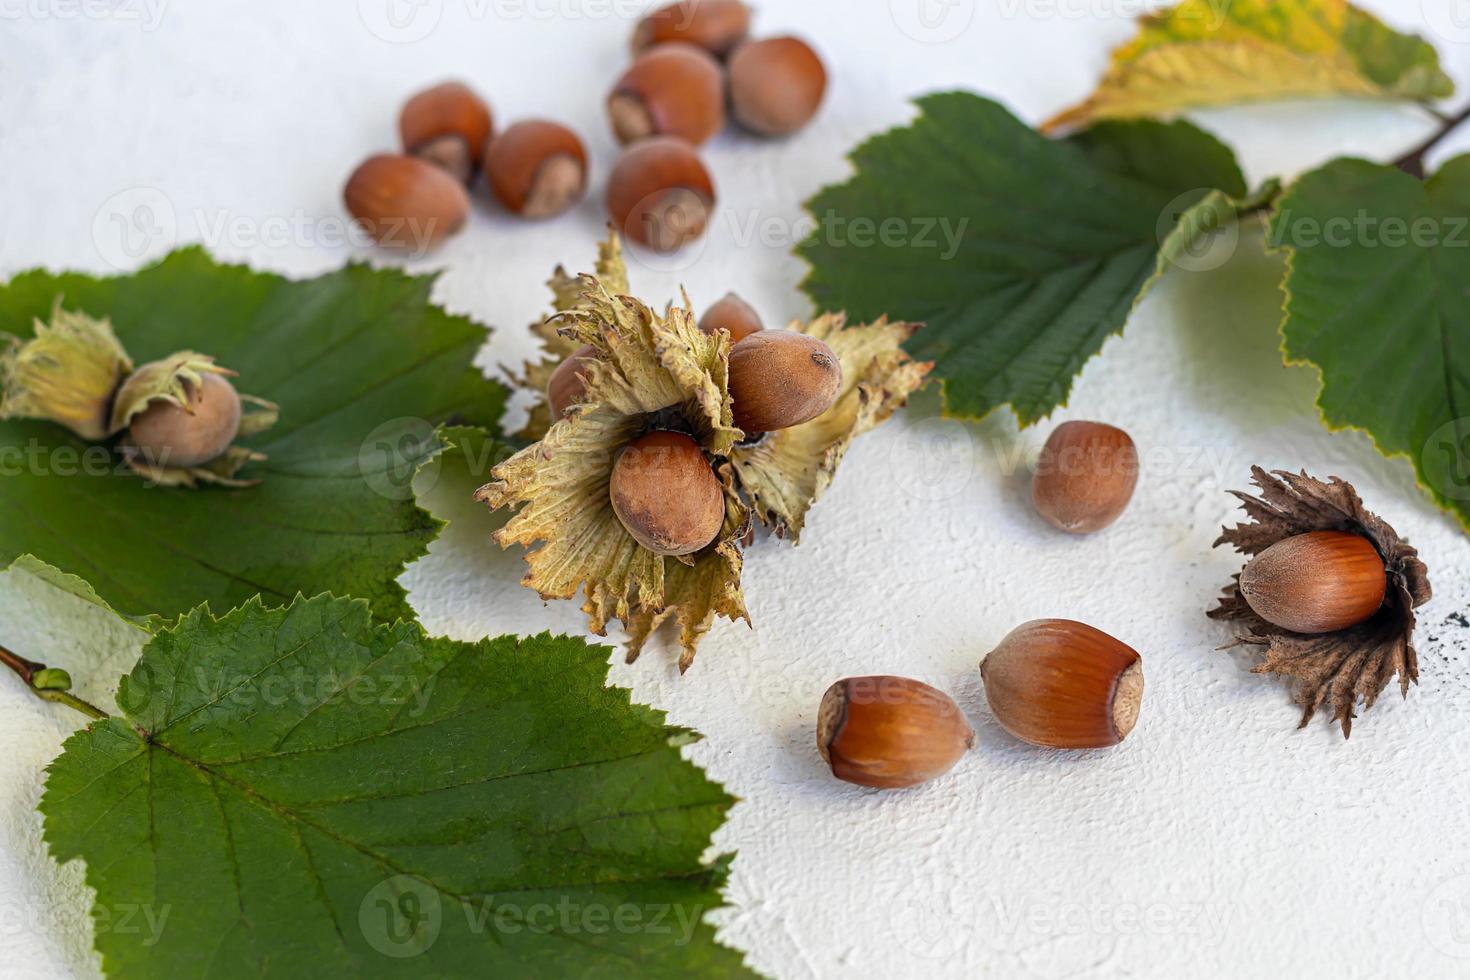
1217	842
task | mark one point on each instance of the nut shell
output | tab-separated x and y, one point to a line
731	314
715	25
1064	685
165	435
776	85
447	125
779	378
890	732
666	495
1085	476
671	90
537	168
659	193
1318	582
566	385
403	202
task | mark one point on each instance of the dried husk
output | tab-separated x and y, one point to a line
67	373
172	379
1333	669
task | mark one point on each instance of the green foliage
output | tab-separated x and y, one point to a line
303	792
363	367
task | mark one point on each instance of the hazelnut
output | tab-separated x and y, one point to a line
1085	476
1318	582
671	90
164	434
715	25
1064	685
659	194
537	168
448	126
567	384
666	494
779	378
403	202
733	315
776	85
890	732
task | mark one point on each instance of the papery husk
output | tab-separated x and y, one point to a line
566	292
67	373
785	473
651	371
171	379
1336	669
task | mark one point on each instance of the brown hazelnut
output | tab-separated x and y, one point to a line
776	85
164	434
659	193
537	168
1064	685
780	378
403	202
890	732
733	315
567	383
715	25
671	90
666	494
1085	476
447	125
1318	582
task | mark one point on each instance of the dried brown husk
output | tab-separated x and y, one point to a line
1336	670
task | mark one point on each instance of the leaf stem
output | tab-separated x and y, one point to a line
27	670
1412	162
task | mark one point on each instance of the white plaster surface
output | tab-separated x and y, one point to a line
1217	842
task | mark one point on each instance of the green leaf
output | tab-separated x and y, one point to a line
1021	254
1377	268
302	792
363	367
1220	52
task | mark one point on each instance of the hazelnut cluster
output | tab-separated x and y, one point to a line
658	442
175	419
691	59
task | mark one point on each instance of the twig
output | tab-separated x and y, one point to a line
1412	162
27	670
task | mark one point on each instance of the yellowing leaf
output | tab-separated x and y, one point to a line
1220	52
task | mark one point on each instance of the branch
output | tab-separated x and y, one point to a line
1413	162
48	683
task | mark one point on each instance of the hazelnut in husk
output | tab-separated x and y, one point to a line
67	373
1330	593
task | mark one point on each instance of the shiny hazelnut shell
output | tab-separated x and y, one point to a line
776	85
659	193
447	125
715	25
403	202
165	434
666	495
890	732
670	90
733	315
537	168
1085	476
1064	685
1318	582
780	378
